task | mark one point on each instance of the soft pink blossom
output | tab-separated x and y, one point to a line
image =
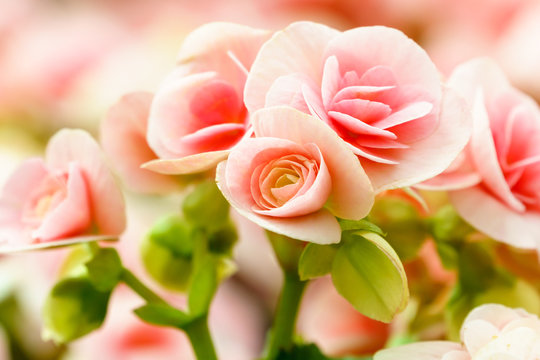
499	171
490	331
295	176
198	113
123	137
375	87
328	320
68	195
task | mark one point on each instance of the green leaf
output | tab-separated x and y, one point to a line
368	273
447	225
163	315
203	287
205	206
362	225
302	352
316	260
104	269
73	309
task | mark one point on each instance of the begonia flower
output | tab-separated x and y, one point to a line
499	172
69	197
198	113
490	331
295	177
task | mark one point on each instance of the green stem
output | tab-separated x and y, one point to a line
142	290
200	339
284	324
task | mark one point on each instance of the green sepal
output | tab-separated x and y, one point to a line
104	269
368	273
163	315
205	207
73	308
316	260
287	250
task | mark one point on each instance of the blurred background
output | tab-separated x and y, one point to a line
63	63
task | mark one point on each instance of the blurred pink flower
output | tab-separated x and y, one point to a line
328	320
123	137
70	194
499	171
375	87
294	177
198	113
489	332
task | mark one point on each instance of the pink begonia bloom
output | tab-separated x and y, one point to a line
295	176
499	170
198	113
375	87
69	197
490	331
328	320
123	137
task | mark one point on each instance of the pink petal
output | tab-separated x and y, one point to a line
429	156
320	227
106	200
310	201
344	168
15	248
123	138
357	126
287	90
367	92
208	47
385	47
475	334
313	100
73	215
214	138
296	49
187	165
408	113
429	350
331	81
479	208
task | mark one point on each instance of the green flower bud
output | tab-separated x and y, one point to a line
167	252
73	309
206	207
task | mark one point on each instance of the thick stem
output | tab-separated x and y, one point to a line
200	339
142	290
282	333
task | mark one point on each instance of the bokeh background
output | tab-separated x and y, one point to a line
64	63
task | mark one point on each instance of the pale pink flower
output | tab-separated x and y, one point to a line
123	137
375	87
295	176
198	113
490	331
328	320
499	171
68	197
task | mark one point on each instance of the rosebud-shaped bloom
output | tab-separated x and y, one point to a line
198	113
70	194
375	87
295	176
123	137
489	332
499	171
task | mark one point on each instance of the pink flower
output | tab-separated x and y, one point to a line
198	113
335	326
294	177
489	332
123	137
499	171
375	87
66	198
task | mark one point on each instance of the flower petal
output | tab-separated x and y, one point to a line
187	165
429	350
